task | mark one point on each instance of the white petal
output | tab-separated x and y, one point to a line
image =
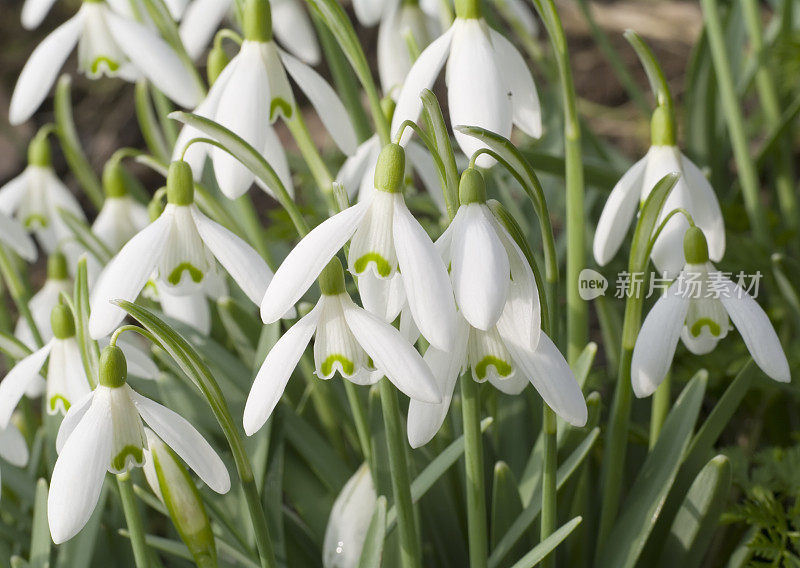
241	261
72	419
550	374
705	208
368	12
139	361
422	162
66	377
13	447
125	275
658	338
34	11
512	385
425	419
427	284
391	353
305	262
355	167
14	236
14	191
200	21
270	382
42	68
667	251
79	474
18	379
480	267
422	76
325	101
187	442
274	151
756	331
293	28
622	203
349	521
527	111
383	297
191	309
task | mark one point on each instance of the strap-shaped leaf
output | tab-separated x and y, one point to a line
90	352
548	545
372	552
40	533
84	235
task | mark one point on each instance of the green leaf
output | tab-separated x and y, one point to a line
372	552
447	159
649	490
148	123
544	548
241	326
583	365
78	552
40	533
525	519
699	515
84	235
13	347
90	352
506	503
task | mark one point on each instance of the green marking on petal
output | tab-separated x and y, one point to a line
282	105
35	220
713	327
502	367
196	274
54	402
118	463
383	266
110	63
327	365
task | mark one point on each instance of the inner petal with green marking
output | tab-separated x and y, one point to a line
337	361
58	402
488	356
382	266
175	276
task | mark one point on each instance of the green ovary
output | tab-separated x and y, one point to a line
383	266
175	276
697	327
282	105
327	365
502	367
118	463
110	63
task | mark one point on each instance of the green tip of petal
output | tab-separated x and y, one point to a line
695	247
472	187
180	185
113	367
57	266
331	280
114	180
390	169
257	21
62	322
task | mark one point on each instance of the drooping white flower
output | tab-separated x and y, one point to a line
34	197
13	447
42	303
359	345
385	239
34	11
394	58
488	84
104	432
66	379
121	216
698	308
191	309
692	193
108	44
250	94
13	235
183	247
349	521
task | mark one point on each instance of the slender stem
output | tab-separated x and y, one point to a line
134	520
660	408
19	293
473	461
410	554
322	177
361	421
252	227
577	309
733	116
548	519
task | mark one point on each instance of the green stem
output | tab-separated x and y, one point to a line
473	464
548	519
252	227
134	520
577	309
361	421
322	177
660	408
410	554
19	293
733	116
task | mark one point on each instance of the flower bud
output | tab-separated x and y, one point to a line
390	169
62	322
331	280
472	187
114	180
695	246
56	266
113	367
180	184
257	20
349	520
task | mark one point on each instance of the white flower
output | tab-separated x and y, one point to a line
692	192
394	59
191	309
247	98
357	173
108	44
119	219
350	340
43	302
104	432
14	236
698	308
488	84
13	447
66	378
183	247
385	239
290	23
349	521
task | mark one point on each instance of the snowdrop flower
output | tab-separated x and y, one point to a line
698	308
385	239
488	83
66	378
34	11
248	97
108	44
290	22
34	197
357	173
13	447
692	193
121	216
183	247
349	521
43	302
104	432
350	340
13	235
